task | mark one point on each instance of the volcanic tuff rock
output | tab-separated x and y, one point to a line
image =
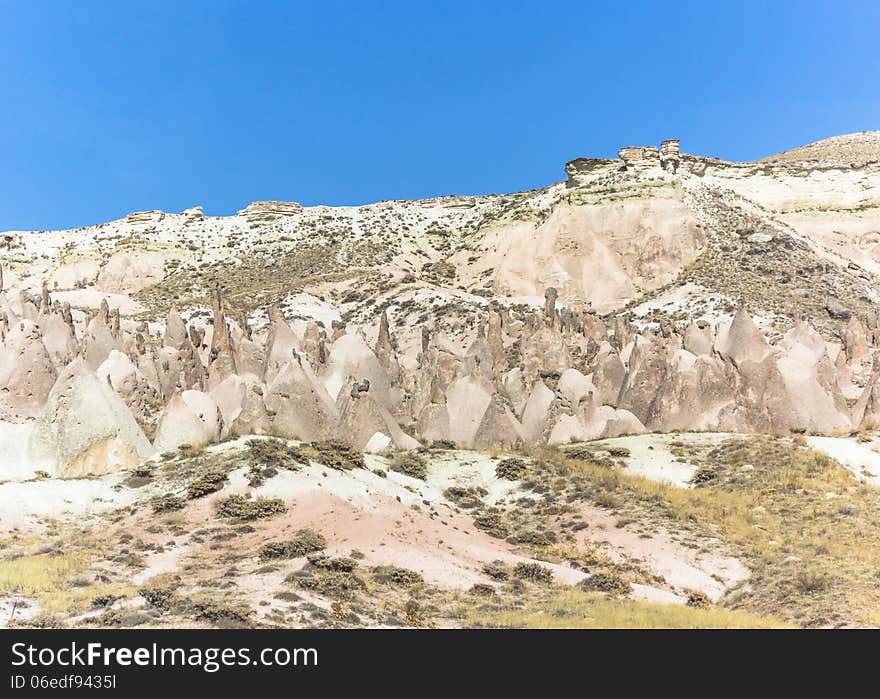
655	291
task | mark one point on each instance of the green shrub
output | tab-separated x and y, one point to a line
497	570
305	542
274	453
240	507
704	475
411	464
338	455
581	453
534	572
167	503
534	538
341	564
512	469
393	575
443	445
207	483
482	590
159	596
492	523
219	611
466	497
698	599
607	582
336	584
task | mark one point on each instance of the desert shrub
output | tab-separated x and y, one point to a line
466	497
144	470
497	571
534	538
274	453
512	469
617	452
159	595
305	542
534	572
698	599
482	590
414	614
336	584
341	564
220	611
443	444
207	483
394	575
809	582
607	582
492	523
580	452
167	503
411	464
338	455
240	507
102	601
704	475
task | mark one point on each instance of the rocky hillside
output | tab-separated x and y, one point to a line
657	291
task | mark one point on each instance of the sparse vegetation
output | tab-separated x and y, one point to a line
466	498
533	572
512	469
305	542
335	454
240	507
608	583
167	503
207	483
411	464
394	575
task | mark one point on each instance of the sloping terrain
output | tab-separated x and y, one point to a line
359	374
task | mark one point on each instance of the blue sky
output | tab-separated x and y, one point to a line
110	107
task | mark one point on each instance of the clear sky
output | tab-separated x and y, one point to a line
110	107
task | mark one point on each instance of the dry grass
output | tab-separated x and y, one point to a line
575	609
809	532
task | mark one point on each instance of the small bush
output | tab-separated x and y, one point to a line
534	538
443	445
698	599
207	483
160	596
607	582
492	523
704	475
305	542
618	452
145	470
336	584
512	469
397	576
338	455
410	464
497	571
218	611
342	564
809	582
240	507
534	572
167	503
274	453
482	590
466	497
581	453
